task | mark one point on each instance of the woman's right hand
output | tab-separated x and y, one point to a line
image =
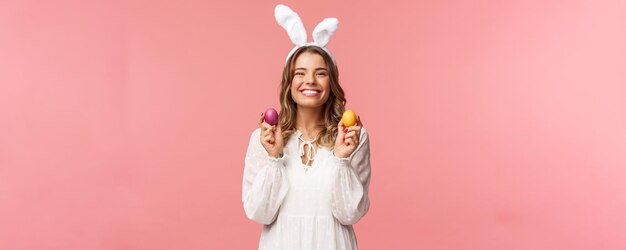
271	137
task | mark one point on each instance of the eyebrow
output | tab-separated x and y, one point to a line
320	68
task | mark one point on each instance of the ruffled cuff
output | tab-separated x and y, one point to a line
275	162
341	162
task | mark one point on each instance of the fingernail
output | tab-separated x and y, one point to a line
345	130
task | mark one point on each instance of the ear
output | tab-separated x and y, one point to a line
291	22
324	30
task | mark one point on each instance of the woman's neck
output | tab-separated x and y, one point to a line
309	121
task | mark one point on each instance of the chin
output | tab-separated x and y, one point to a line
317	103
311	105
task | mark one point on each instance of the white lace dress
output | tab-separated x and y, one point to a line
301	207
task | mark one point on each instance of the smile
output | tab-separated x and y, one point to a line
310	92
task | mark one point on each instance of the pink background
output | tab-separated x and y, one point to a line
494	124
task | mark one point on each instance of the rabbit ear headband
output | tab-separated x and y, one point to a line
291	22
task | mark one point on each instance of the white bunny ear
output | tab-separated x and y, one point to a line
291	22
324	30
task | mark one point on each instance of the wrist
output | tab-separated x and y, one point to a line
338	155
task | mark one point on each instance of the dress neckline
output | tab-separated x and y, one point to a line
310	153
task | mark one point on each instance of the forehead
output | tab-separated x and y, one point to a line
310	60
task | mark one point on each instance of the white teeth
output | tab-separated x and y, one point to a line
310	92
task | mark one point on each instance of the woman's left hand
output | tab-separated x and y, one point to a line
347	138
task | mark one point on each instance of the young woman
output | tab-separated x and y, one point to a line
306	179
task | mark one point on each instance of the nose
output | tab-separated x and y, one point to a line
309	79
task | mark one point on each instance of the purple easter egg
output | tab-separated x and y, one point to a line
271	116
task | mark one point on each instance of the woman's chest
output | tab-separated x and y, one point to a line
317	176
310	188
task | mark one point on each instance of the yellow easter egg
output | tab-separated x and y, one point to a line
348	118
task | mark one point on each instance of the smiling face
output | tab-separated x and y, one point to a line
310	68
310	86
